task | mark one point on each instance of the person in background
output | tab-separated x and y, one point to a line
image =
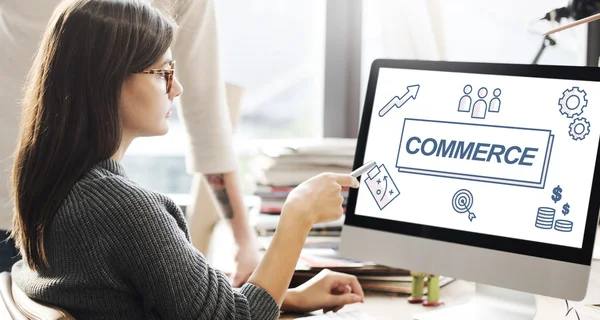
205	115
203	109
93	241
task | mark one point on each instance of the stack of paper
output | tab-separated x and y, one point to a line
281	165
285	163
321	253
266	224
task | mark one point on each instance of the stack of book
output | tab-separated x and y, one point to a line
281	165
265	225
321	253
273	197
287	163
372	278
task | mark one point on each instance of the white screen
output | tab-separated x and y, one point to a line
510	167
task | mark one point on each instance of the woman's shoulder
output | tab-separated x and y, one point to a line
108	200
103	190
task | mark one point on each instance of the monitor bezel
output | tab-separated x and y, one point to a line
581	256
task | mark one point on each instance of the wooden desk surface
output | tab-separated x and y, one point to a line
457	292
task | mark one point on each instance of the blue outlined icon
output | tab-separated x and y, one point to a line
411	93
462	201
481	107
489	153
579	128
566	209
556	194
563	225
572	102
382	186
495	102
545	218
464	104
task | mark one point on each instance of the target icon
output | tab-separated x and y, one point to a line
462	202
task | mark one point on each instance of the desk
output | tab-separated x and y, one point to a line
458	292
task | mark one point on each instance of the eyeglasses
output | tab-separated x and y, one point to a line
167	73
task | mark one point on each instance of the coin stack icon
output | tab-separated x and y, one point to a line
545	218
563	226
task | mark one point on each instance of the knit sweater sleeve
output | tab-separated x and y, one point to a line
150	250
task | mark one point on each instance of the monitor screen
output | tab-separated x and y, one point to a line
505	155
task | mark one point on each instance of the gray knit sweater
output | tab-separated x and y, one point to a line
119	251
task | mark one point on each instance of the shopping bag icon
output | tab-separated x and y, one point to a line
382	186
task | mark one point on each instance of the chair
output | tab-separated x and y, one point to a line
8	309
18	306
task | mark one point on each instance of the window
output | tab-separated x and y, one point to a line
275	50
465	30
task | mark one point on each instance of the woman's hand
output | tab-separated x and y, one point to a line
246	261
328	290
318	199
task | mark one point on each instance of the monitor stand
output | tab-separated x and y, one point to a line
490	303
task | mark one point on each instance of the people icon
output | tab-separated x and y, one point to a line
464	104
495	102
480	106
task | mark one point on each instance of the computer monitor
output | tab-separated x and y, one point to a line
485	172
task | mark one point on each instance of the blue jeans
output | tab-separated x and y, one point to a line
8	253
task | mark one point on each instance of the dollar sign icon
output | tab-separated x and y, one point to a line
556	194
565	210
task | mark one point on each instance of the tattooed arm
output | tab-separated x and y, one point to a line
226	187
217	182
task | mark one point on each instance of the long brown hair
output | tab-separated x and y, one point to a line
71	106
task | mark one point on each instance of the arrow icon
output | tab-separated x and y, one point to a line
471	216
384	190
411	92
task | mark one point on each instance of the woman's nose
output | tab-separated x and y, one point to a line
176	89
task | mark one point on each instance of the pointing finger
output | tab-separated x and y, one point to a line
346	180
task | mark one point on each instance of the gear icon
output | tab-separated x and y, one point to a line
579	129
572	102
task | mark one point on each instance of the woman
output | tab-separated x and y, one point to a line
97	244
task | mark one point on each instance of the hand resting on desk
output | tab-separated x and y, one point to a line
328	290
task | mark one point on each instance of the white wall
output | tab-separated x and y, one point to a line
507	31
496	31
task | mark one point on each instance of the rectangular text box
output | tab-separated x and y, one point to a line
486	153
